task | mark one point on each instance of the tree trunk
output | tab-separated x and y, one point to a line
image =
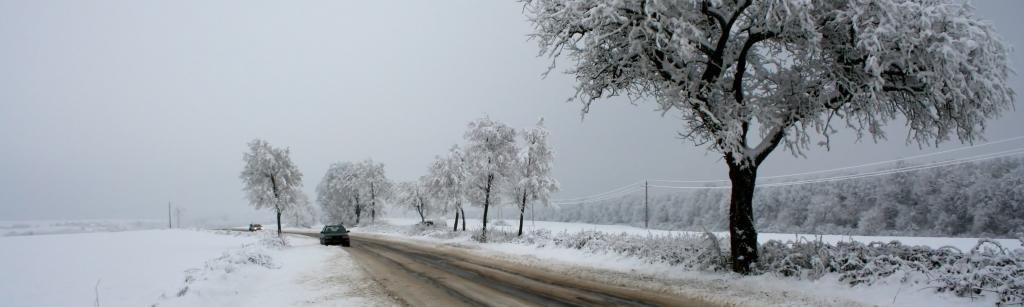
359	210
277	203
278	222
522	205
419	209
373	204
455	227
522	211
463	218
742	235
487	204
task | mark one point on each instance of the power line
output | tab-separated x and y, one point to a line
624	193
952	162
690	188
619	189
902	159
976	158
1016	138
634	187
611	196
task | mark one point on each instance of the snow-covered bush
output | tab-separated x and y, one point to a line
434	227
687	250
987	268
229	262
268	240
249	256
700	252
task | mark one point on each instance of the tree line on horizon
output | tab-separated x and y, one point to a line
980	199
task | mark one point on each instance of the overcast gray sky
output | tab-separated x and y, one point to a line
110	109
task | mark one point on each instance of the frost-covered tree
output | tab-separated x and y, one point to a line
375	185
304	215
531	179
350	190
413	195
747	76
490	154
270	179
446	180
338	194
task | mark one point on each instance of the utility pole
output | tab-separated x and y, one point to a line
646	214
169	215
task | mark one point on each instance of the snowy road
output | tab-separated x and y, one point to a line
425	275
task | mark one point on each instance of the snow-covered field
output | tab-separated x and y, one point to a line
43	227
179	268
766	289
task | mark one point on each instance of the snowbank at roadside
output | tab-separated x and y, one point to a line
269	273
679	260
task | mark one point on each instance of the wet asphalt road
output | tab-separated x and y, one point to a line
424	275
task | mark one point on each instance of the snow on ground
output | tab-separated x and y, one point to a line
179	268
963	244
304	273
133	268
762	290
42	227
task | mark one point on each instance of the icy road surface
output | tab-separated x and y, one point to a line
432	275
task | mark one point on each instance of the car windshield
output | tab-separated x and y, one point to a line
334	229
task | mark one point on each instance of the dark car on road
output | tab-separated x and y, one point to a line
334	234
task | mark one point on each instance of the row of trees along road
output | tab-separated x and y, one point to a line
351	190
748	76
493	166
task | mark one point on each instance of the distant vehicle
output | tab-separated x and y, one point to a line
334	234
255	227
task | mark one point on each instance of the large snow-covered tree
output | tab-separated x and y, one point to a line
748	76
490	154
531	179
338	194
350	190
271	180
446	181
375	185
